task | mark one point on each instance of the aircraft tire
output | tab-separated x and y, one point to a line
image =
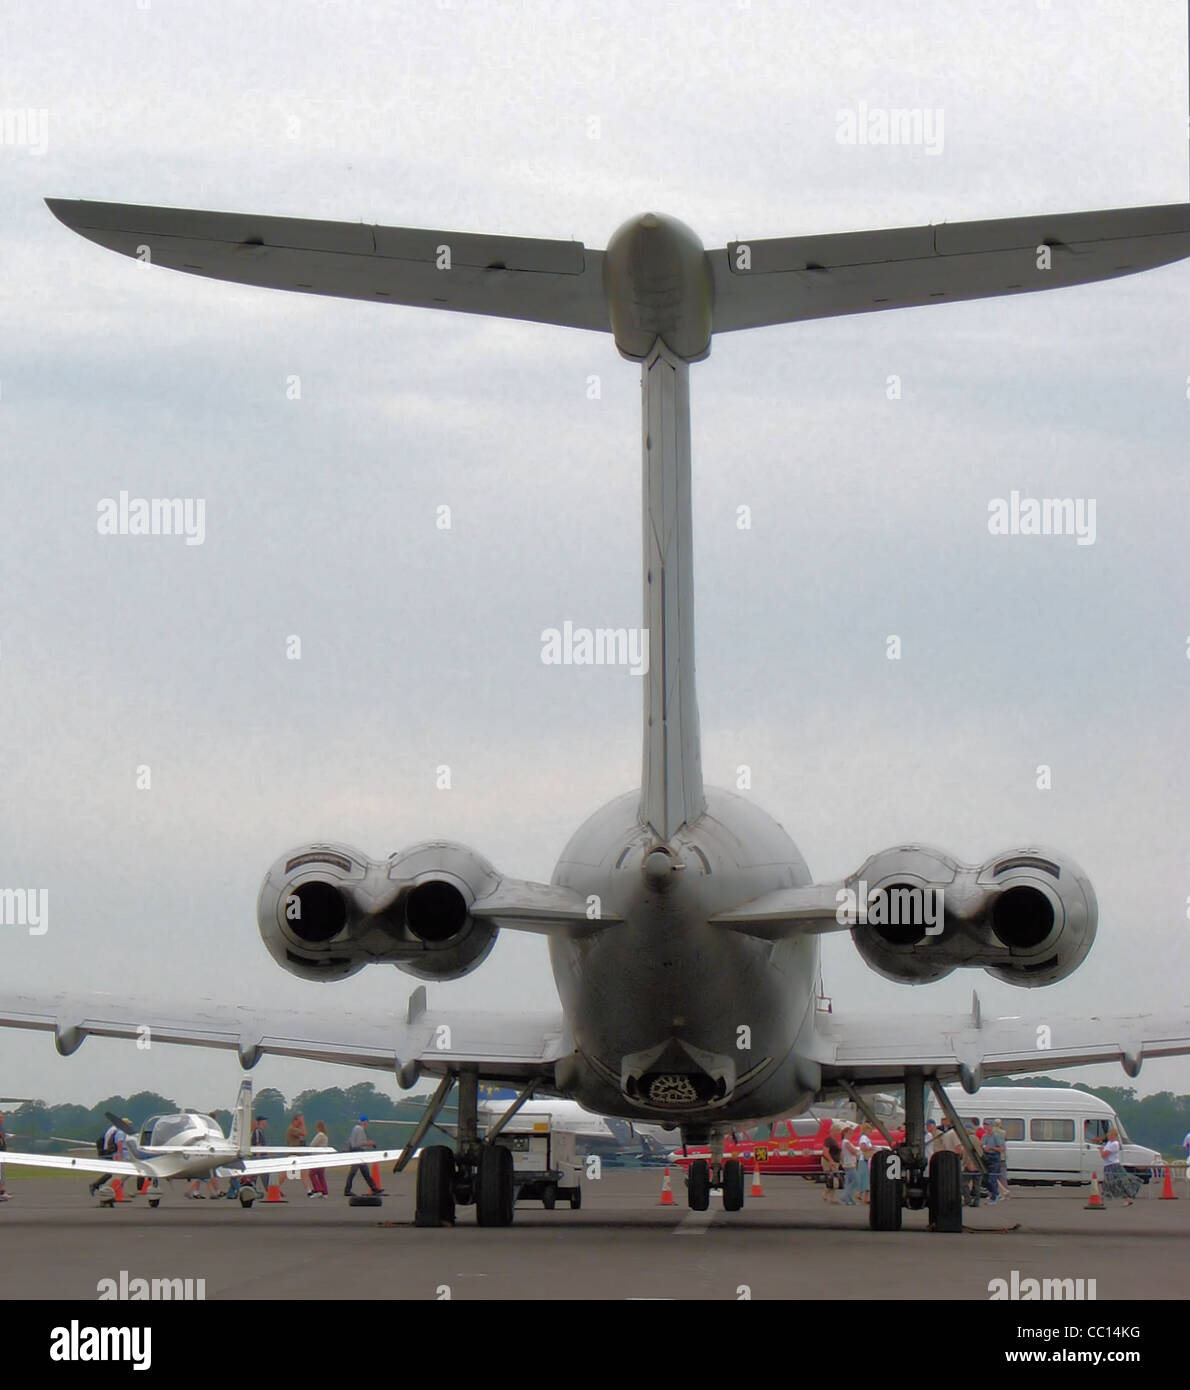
946	1192
549	1198
495	1194
884	1212
576	1199
698	1185
366	1199
435	1187
733	1185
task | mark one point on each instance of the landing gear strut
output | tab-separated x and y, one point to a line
478	1172
901	1179
714	1174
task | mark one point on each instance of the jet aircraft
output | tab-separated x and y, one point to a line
683	923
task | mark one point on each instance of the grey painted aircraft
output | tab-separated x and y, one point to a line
683	924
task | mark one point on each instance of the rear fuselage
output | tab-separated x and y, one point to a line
676	1020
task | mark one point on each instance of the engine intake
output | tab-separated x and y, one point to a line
1027	917
326	911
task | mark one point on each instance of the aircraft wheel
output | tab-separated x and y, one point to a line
698	1185
549	1198
576	1199
435	1186
495	1195
946	1192
154	1202
733	1185
247	1196
884	1211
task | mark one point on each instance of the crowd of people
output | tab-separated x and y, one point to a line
297	1137
849	1148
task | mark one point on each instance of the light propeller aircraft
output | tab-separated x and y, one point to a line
682	922
192	1145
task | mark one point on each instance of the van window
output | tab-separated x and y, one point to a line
1095	1131
1013	1129
1052	1131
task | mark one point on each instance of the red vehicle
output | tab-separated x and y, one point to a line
778	1147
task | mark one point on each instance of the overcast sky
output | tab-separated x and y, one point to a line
421	646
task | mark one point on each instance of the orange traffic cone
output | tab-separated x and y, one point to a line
272	1193
1167	1192
1095	1201
375	1175
667	1192
756	1190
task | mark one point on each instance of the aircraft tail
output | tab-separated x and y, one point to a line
241	1121
671	785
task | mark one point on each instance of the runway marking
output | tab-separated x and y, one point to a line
695	1223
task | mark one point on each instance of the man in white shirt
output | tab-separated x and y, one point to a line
356	1143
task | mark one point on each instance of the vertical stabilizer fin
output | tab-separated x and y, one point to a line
671	786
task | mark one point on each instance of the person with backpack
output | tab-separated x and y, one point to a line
110	1144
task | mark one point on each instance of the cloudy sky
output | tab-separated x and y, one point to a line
421	646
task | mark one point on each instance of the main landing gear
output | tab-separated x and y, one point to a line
901	1179
480	1173
717	1174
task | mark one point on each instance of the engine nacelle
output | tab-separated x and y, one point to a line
325	911
1027	917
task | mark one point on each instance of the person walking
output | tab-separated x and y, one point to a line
1113	1169
321	1140
972	1170
357	1143
111	1146
863	1167
832	1154
295	1138
850	1162
995	1153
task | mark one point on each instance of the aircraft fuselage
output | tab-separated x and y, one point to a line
676	1020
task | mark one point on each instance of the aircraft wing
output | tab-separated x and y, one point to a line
972	1049
559	282
812	277
114	1167
328	1158
506	1047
